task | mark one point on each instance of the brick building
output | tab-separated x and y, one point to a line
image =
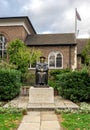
61	50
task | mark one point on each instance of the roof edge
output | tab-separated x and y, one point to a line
61	44
20	17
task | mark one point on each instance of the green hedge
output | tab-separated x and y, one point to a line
74	86
53	73
10	82
53	76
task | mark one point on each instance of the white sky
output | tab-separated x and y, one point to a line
51	16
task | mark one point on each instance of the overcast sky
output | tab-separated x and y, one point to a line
51	16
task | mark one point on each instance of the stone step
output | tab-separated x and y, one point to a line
59	103
51	107
41	107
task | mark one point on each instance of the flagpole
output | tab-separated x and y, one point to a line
75	24
77	17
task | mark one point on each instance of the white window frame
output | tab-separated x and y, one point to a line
2	42
55	54
31	67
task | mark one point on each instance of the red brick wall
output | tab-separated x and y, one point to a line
79	65
63	49
13	32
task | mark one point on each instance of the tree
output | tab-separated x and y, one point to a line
86	53
18	55
34	55
21	56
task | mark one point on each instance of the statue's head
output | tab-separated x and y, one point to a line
42	59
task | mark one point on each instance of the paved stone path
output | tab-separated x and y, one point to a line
60	103
40	121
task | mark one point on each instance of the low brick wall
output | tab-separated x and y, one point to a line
24	91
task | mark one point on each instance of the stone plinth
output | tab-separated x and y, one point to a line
41	95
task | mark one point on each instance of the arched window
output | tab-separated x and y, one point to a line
58	60
55	60
52	60
2	45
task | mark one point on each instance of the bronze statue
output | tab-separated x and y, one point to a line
42	72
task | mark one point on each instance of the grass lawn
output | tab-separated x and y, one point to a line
74	121
10	121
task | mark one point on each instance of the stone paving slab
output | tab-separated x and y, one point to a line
71	105
60	103
51	129
40	121
19	102
48	112
48	117
33	113
31	119
29	126
49	121
50	125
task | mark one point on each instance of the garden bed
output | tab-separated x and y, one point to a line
2	103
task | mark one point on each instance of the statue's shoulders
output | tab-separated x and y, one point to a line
38	63
45	63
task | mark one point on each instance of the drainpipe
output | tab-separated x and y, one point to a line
70	56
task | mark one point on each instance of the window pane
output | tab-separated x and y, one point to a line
58	60
52	61
2	38
33	65
2	46
4	53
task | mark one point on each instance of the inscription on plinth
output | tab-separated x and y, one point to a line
41	95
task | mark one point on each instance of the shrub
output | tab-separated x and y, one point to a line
52	84
6	65
28	78
53	77
74	86
10	82
54	73
13	110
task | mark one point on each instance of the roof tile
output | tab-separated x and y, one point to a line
50	39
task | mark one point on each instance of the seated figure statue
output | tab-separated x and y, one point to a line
42	72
